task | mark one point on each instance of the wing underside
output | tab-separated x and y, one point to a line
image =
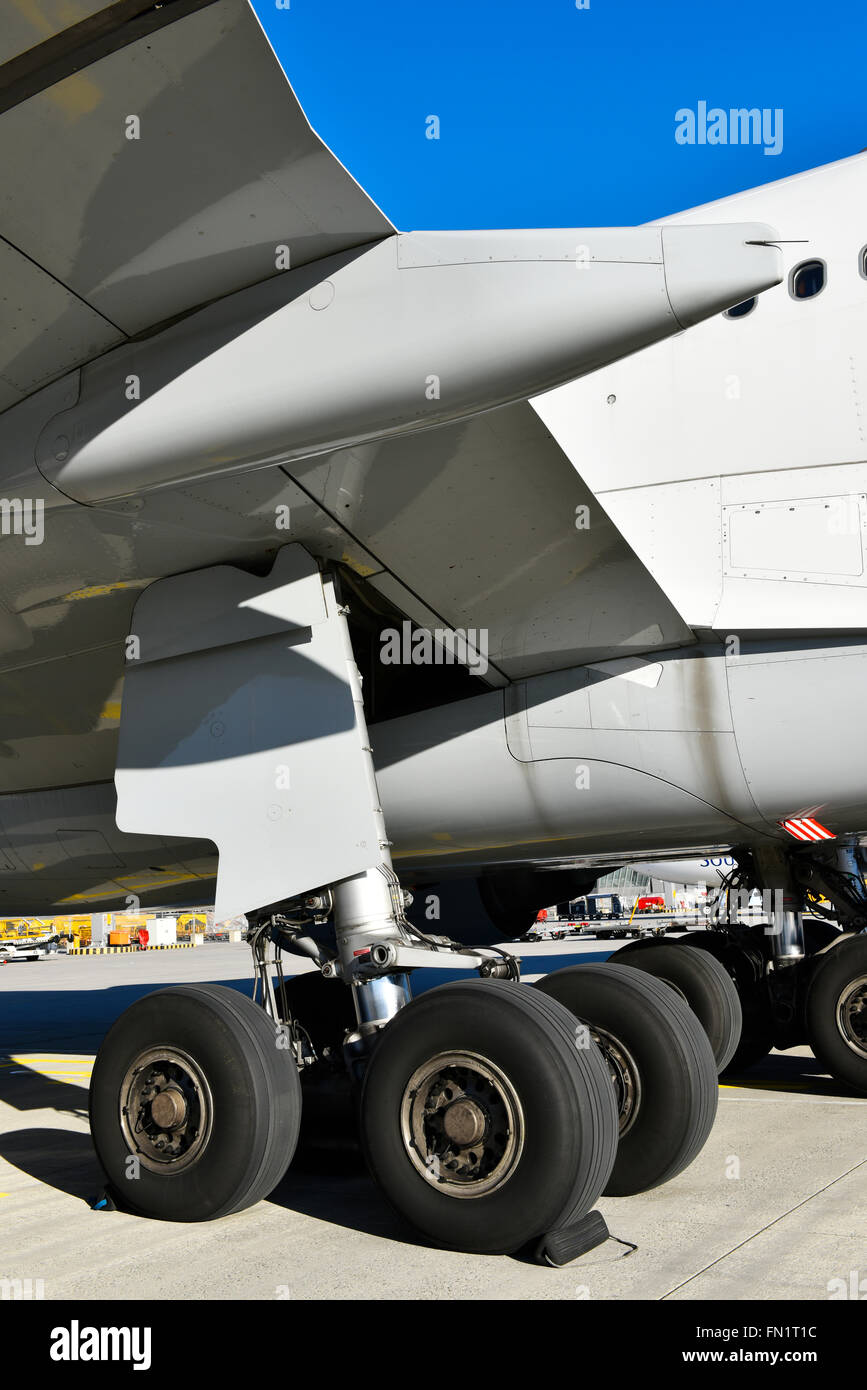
152	159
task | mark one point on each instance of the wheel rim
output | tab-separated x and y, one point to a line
852	1015
624	1074
462	1124
166	1109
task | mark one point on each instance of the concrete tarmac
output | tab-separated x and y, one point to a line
775	1206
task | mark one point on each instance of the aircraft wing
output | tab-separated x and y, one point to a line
487	525
152	158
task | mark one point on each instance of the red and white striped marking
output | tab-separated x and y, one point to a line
805	828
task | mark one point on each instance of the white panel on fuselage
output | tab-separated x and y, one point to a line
766	409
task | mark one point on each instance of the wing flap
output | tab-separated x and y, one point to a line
488	525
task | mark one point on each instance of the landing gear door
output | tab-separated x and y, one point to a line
238	726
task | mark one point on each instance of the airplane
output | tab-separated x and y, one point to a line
708	870
348	565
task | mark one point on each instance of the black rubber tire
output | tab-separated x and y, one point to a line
256	1102
679	1091
818	934
704	983
570	1117
842	965
757	1027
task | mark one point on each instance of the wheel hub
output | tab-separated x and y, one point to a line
852	1015
166	1109
462	1124
169	1108
624	1074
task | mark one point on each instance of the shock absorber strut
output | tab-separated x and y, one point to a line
786	927
368	908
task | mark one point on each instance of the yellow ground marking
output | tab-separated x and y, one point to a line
45	1057
787	1086
52	1075
55	1069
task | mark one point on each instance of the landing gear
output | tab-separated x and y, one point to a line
660	1062
487	1113
799	978
195	1106
482	1121
702	982
837	1012
744	963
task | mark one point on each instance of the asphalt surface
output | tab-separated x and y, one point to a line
775	1206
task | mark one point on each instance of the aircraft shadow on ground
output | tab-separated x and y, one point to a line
788	1073
25	1088
343	1195
60	1158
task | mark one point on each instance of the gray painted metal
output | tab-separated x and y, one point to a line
460	793
365	346
777	696
457	787
588	763
484	524
239	726
25	26
61	848
364	370
126	233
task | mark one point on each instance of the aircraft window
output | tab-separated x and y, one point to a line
862	262
807	279
739	311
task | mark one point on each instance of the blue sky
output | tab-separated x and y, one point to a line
554	116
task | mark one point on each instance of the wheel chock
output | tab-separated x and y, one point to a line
559	1248
104	1202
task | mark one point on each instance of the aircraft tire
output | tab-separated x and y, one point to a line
837	1012
702	981
660	1062
745	969
482	1122
232	1106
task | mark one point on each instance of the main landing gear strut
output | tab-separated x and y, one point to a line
801	971
492	1114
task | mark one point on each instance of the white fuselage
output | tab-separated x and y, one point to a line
733	458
